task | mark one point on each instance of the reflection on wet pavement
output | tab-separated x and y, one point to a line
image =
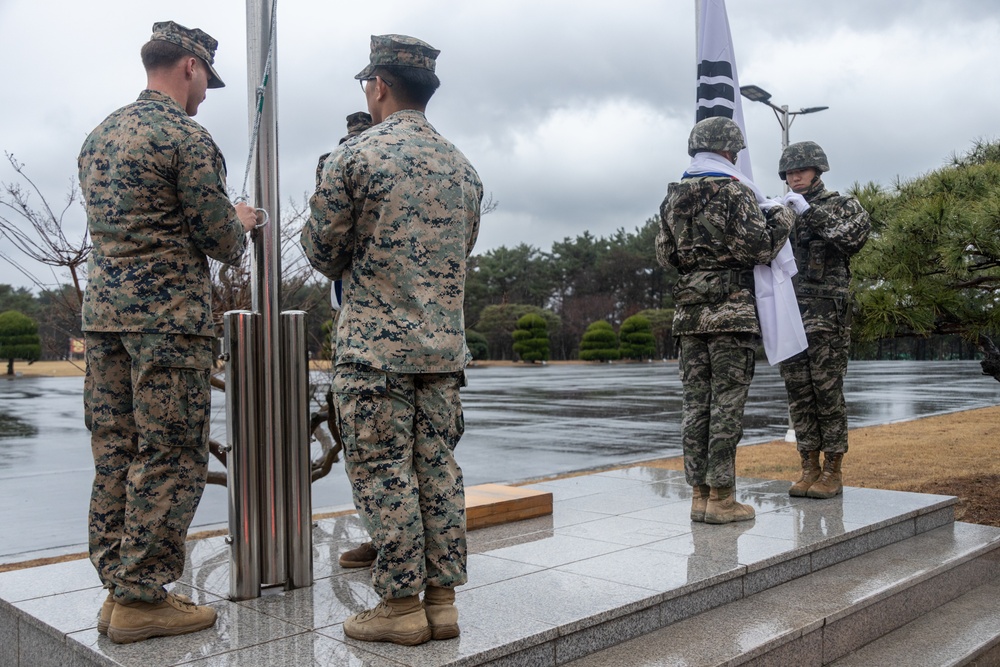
522	422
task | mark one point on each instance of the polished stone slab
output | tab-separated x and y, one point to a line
830	613
964	629
618	558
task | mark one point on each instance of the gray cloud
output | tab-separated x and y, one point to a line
575	113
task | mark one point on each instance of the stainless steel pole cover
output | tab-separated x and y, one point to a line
241	349
298	464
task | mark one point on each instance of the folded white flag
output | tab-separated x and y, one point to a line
777	308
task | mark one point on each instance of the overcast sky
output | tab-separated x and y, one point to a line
576	114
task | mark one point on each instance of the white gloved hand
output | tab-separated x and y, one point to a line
770	203
796	202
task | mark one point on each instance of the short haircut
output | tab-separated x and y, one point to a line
411	84
160	54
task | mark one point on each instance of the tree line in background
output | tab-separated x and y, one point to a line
925	283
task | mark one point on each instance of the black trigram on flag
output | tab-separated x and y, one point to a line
716	90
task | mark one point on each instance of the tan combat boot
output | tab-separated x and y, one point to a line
105	618
177	615
829	483
699	501
399	620
810	473
362	556
442	615
723	508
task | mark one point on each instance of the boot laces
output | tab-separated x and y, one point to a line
183	600
373	612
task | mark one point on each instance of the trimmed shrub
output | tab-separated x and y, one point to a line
599	343
637	341
531	338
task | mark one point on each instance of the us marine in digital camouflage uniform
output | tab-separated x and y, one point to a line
829	229
153	183
396	215
713	231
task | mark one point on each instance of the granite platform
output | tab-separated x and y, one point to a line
617	562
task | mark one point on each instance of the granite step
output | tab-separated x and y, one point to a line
965	631
820	618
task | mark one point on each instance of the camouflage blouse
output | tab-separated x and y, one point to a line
713	231
824	238
153	183
395	216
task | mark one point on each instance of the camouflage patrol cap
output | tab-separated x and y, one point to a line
802	155
716	134
400	51
197	42
357	123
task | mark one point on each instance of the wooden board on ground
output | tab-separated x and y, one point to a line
493	504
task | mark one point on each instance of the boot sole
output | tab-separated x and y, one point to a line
356	563
444	631
120	636
404	639
718	521
798	494
824	496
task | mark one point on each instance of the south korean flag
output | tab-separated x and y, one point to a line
718	84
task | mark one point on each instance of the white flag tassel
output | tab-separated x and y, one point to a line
718	95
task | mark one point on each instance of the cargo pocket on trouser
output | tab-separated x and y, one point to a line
365	414
454	398
173	392
734	358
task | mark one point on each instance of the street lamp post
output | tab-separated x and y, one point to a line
784	116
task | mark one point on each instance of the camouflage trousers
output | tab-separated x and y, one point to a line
716	371
400	433
146	403
814	380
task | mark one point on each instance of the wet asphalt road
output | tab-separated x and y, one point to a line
521	422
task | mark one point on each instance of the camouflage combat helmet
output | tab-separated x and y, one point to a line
716	134
802	155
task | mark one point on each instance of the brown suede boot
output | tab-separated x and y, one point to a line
810	473
362	556
177	615
104	620
442	615
723	508
399	620
829	483
699	501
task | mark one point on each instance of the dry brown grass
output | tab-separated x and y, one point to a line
953	454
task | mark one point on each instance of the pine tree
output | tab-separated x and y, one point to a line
932	263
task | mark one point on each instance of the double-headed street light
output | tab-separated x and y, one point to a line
784	116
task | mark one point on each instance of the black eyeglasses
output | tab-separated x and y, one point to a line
372	78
